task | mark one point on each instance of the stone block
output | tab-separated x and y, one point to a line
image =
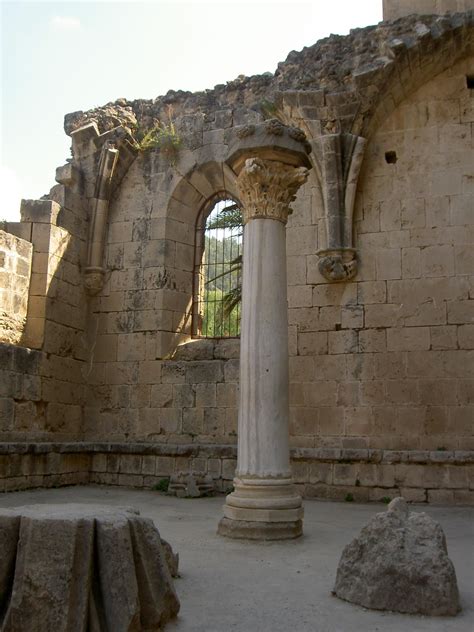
131	347
345	474
382	315
173	372
161	395
411	263
358	421
361	366
443	337
372	341
206	395
352	317
346	341
130	464
214	468
227	349
228	468
164	466
314	343
296	270
464	497
148	465
303	421
232	371
301	240
438	261
408	339
300	296
339	294
205	371
99	463
440	496
193	419
183	395
169	419
227	395
39	212
388	263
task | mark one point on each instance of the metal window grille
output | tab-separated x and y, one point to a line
218	270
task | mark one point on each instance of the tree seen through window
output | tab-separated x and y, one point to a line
220	273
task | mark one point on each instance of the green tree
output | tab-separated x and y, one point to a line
223	274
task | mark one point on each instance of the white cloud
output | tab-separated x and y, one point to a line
11	195
65	23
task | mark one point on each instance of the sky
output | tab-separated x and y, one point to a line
59	57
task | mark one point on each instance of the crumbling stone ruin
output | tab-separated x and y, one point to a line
103	379
84	567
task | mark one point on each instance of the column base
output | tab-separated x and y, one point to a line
262	509
248	530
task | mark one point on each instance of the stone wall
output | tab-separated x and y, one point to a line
42	380
360	475
15	270
393	9
386	361
381	366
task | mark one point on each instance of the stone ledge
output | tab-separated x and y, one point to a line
163	449
339	455
384	456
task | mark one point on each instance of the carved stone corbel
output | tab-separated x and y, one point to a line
339	158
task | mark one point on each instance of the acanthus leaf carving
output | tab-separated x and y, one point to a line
268	187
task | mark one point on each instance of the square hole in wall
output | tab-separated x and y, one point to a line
391	157
470	82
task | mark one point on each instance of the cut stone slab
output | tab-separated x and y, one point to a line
399	562
76	567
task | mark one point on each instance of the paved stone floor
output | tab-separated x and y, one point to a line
275	587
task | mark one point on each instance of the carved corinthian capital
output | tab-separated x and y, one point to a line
268	187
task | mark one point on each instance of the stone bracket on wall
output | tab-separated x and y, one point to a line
113	152
339	159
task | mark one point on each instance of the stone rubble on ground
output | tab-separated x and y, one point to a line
76	567
399	562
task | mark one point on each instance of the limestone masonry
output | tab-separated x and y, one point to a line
101	380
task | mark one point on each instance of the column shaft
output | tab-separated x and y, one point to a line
263	413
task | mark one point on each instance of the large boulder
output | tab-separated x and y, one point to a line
76	567
399	562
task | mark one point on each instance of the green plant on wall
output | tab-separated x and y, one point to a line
268	109
162	136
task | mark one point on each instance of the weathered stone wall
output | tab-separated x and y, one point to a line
394	9
365	475
15	270
380	362
381	382
43	390
386	361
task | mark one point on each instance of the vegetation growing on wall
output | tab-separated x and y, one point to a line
162	136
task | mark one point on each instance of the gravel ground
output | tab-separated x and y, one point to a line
230	585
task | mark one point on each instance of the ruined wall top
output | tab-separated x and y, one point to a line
394	9
336	64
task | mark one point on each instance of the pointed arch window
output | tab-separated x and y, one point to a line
218	269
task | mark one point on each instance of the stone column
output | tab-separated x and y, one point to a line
265	504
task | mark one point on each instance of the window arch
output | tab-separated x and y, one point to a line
217	278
